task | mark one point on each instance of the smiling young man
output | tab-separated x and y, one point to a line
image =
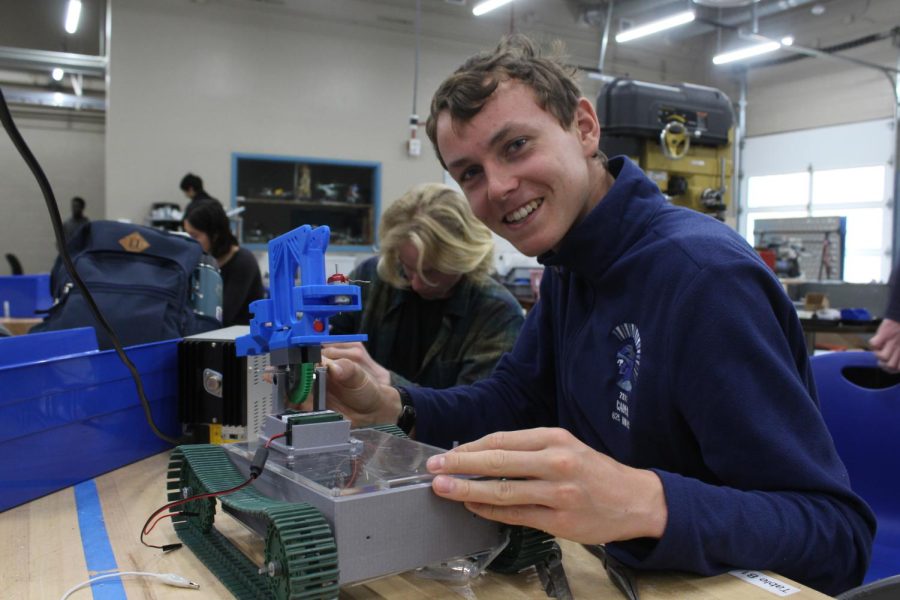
659	398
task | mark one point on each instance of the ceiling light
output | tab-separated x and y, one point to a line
57	74
488	6
73	14
655	26
787	40
749	51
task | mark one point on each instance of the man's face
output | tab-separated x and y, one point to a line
441	284
525	176
190	193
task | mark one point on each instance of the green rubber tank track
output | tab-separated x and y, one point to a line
300	552
527	547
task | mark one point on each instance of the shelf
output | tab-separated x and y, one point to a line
281	193
305	203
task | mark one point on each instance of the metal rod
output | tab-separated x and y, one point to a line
321	396
604	42
737	172
416	72
895	246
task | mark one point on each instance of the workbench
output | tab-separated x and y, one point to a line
53	543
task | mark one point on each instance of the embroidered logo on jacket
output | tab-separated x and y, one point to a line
628	363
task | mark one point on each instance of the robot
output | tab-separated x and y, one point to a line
335	506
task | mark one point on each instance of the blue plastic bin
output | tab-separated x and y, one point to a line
67	419
24	349
27	295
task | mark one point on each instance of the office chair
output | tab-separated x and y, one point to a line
861	407
15	267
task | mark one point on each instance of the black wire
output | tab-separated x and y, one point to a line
56	222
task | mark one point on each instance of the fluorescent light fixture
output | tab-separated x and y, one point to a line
58	98
73	14
655	27
487	6
57	74
787	40
749	51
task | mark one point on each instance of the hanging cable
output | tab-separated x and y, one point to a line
414	145
56	222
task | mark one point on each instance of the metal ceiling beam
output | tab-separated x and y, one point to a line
46	60
592	12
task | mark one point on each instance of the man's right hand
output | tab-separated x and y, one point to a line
353	393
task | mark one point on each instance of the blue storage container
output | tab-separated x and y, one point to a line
27	295
72	417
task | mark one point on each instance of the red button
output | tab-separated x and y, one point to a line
318	326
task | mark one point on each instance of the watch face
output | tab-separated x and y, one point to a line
407	419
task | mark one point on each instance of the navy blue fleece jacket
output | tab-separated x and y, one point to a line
662	340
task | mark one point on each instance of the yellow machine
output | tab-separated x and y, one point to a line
679	134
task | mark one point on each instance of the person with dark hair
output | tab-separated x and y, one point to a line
241	280
192	186
77	219
659	398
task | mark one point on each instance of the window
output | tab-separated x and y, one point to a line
857	193
838	170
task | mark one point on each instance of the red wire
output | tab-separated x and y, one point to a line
161	517
191	499
275	437
146	531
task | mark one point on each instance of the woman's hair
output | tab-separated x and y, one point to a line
437	220
209	217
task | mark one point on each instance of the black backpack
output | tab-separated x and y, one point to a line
140	277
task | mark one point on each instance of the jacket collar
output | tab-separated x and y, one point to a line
618	221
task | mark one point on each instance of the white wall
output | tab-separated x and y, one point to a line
190	83
71	153
817	92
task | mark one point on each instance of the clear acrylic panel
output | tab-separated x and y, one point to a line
373	461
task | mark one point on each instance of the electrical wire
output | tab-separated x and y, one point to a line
168	547
56	221
273	438
256	468
167	578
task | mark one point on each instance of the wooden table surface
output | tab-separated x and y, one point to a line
44	552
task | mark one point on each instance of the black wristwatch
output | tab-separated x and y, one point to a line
407	419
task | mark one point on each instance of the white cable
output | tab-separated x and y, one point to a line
167	578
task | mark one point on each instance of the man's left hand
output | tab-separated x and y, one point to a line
548	479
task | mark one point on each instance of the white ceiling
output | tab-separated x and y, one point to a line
38	24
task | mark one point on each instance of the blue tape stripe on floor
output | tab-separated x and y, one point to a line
98	553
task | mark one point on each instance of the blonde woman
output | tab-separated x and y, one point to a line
433	314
